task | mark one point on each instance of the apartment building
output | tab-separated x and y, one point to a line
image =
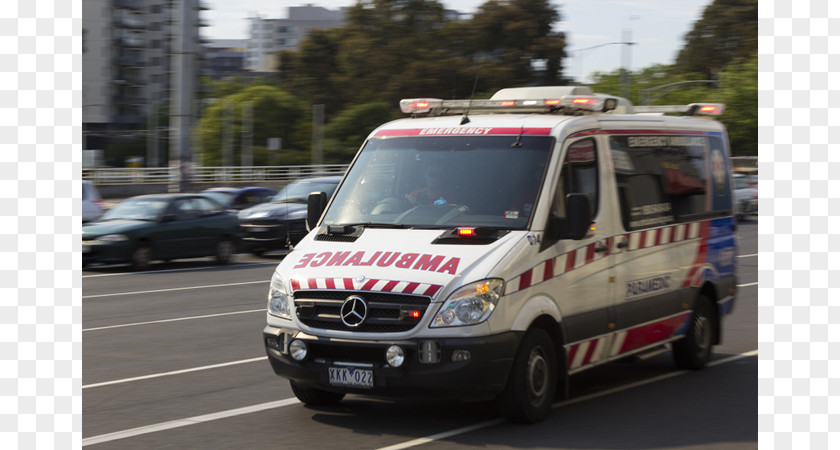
269	36
128	65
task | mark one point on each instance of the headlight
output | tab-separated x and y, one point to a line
113	238
470	305
279	301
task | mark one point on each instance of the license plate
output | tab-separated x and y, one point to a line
351	377
259	230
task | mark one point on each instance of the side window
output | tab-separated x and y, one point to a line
579	174
205	207
661	179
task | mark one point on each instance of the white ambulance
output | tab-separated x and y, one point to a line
491	248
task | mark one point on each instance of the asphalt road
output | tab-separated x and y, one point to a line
173	358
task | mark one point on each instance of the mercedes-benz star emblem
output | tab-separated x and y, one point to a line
353	311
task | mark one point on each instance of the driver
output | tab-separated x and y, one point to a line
436	191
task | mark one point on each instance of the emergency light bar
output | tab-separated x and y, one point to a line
565	104
708	109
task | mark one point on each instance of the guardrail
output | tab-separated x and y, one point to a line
164	175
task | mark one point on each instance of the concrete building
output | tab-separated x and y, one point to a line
225	57
269	36
128	67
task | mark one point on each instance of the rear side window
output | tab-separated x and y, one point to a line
662	179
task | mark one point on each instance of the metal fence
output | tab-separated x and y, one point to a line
163	175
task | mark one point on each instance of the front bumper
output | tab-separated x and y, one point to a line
482	376
109	253
270	235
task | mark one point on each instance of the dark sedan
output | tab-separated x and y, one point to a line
281	223
239	198
142	229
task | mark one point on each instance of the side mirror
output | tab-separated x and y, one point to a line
577	221
315	205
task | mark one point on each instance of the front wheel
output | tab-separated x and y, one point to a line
695	349
224	251
315	397
532	383
141	258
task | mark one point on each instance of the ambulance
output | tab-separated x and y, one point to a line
490	249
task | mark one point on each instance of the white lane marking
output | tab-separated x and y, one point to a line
420	441
176	372
145	272
748	284
208	316
175	289
188	421
748	256
490	423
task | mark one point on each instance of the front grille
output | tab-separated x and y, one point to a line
386	313
336	238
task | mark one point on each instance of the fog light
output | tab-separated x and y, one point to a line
460	355
298	350
395	356
273	342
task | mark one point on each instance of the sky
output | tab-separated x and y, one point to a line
656	27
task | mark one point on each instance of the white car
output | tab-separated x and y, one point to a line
746	195
92	205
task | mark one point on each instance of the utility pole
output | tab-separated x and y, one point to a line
183	76
317	135
247	155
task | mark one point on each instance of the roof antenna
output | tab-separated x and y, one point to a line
466	119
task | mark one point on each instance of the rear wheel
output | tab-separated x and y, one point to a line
695	349
224	251
532	384
141	258
315	397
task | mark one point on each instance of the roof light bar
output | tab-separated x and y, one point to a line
708	109
419	105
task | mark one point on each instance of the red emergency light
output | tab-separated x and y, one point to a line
466	232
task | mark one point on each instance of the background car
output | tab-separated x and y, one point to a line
746	195
239	198
281	223
145	228
92	204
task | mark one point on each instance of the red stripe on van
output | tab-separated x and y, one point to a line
653	332
570	260
432	290
525	279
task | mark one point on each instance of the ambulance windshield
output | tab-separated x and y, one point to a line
443	182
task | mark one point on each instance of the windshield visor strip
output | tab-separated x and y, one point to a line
465	131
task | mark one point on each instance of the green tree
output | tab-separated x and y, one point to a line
346	132
275	113
739	91
728	30
515	33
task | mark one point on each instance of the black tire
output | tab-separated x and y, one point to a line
224	251
141	257
695	350
532	383
315	397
